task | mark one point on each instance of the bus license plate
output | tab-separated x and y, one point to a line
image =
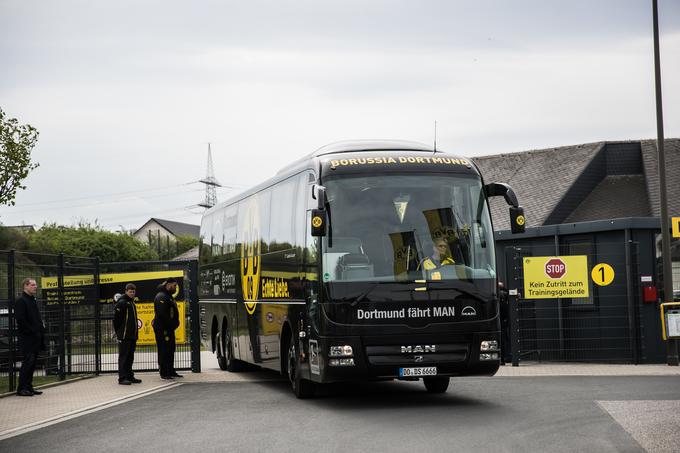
417	372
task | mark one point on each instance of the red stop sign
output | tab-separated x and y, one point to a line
555	268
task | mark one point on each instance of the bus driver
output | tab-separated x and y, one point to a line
441	256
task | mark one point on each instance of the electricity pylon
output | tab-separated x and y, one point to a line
211	184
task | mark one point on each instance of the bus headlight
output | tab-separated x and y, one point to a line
341	362
488	356
488	345
341	351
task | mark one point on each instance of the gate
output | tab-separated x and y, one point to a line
76	302
146	275
604	327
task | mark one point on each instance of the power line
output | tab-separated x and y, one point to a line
108	195
99	203
130	192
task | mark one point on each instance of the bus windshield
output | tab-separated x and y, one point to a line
407	227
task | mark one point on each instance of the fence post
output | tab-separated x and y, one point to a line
11	327
632	331
195	318
62	317
97	319
513	313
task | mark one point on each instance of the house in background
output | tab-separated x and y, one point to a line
162	229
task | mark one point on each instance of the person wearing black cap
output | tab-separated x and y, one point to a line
125	325
165	321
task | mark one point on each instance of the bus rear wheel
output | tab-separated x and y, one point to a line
436	384
302	388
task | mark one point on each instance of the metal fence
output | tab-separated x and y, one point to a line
76	304
604	327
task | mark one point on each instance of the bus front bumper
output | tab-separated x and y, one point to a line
390	357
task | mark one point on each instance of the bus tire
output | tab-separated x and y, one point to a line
225	356
436	384
219	352
302	388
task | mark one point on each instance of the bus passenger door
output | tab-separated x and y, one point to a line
311	276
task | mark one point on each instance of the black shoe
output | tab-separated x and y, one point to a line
124	382
167	378
176	375
134	380
36	392
24	392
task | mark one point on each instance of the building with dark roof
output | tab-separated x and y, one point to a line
599	200
165	228
594	181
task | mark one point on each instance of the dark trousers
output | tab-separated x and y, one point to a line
166	352
126	355
27	369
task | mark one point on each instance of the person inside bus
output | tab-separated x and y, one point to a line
441	256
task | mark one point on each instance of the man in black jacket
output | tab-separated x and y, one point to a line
31	332
165	321
125	324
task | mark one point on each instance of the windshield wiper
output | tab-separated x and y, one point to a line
360	297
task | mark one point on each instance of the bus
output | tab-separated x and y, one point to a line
365	260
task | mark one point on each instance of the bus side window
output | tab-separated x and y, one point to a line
282	215
206	234
300	213
311	248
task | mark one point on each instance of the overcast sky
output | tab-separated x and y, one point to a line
127	94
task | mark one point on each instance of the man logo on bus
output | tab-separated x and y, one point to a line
250	257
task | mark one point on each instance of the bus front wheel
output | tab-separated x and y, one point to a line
302	388
436	384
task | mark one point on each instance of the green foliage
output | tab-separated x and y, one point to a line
87	240
16	143
12	238
91	241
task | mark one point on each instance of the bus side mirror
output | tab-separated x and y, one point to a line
517	220
496	189
319	193
319	221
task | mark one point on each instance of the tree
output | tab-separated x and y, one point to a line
16	143
87	240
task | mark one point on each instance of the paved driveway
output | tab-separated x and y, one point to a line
575	413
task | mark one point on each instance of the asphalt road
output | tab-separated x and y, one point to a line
476	414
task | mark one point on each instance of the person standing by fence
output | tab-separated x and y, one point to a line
31	333
165	321
125	325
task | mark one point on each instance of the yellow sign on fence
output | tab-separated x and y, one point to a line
548	277
144	317
675	227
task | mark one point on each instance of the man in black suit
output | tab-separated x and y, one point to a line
31	332
166	320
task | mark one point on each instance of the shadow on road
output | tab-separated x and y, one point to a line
372	395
